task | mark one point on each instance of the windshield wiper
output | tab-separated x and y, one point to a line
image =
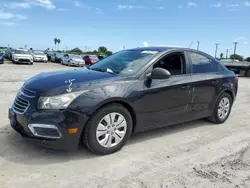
103	70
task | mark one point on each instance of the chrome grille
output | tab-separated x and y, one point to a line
20	105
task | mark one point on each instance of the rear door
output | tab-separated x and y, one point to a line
206	75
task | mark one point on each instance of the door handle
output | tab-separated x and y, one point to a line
185	87
215	82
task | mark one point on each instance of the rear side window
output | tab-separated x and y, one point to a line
203	64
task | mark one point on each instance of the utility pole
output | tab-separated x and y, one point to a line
227	53
235	46
216	48
198	45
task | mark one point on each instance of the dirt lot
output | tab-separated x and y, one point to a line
194	154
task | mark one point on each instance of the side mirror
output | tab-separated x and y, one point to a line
160	73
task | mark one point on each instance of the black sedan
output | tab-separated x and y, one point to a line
128	92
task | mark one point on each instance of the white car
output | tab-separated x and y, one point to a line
40	56
72	60
22	56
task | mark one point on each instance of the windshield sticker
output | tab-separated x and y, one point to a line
70	84
149	52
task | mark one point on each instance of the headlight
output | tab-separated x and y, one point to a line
58	102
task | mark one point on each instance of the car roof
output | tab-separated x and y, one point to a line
160	49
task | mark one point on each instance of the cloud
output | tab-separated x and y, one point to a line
48	4
9	24
247	3
128	7
217	5
145	43
180	7
160	8
233	5
8	15
81	5
98	10
62	9
192	4
14	5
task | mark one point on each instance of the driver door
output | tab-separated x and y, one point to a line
167	101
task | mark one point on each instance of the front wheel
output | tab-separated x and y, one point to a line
222	108
108	129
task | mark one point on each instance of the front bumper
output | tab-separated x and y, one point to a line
63	120
23	61
40	60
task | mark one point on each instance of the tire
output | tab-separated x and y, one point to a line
112	133
216	118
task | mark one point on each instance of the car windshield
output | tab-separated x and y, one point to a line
39	53
76	56
21	52
125	62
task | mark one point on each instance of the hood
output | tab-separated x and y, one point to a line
55	83
78	60
39	56
23	55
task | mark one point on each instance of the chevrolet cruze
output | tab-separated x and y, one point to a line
128	92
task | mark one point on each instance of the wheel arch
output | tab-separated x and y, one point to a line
122	102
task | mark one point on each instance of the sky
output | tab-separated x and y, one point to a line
88	24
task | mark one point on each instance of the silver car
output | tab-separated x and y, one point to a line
73	60
40	56
22	56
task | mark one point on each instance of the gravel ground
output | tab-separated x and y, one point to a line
193	154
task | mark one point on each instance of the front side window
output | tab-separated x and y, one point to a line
174	63
203	64
125	62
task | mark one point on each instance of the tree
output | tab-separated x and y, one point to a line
237	57
58	41
55	41
247	59
76	50
102	49
221	55
108	53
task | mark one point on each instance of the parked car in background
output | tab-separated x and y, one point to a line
72	60
49	54
8	53
100	57
22	56
57	57
128	92
90	59
1	57
39	56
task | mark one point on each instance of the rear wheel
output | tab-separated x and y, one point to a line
108	129
222	108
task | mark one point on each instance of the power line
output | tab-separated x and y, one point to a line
216	48
235	46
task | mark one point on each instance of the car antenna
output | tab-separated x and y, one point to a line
190	45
